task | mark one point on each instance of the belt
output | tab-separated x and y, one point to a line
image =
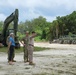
31	45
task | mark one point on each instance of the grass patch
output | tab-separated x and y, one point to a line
5	49
40	48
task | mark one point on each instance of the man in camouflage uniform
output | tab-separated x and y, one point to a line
24	41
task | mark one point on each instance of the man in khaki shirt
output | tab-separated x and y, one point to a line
31	48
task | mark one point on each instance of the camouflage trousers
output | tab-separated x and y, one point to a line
25	54
28	53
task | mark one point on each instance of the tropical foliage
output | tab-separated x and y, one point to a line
65	25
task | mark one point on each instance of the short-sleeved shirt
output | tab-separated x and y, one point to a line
28	40
25	39
31	40
12	41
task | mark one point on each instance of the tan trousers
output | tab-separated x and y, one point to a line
30	53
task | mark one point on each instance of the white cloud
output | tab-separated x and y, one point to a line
39	3
50	18
2	17
33	8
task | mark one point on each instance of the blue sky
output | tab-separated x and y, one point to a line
29	9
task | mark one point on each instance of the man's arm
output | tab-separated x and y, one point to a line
22	41
9	44
32	36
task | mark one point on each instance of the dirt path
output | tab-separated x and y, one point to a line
59	60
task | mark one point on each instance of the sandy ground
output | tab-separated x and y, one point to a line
59	60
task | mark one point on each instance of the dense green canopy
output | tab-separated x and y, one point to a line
65	25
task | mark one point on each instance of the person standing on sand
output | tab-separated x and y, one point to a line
31	47
11	46
24	41
7	42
